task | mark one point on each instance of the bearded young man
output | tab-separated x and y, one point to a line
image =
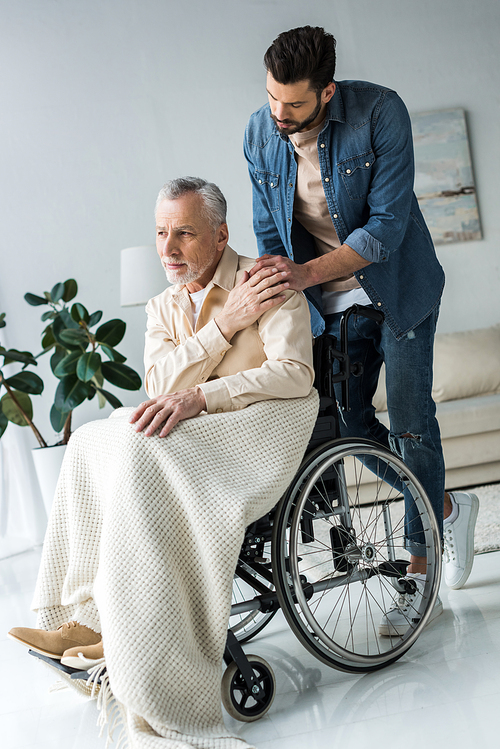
331	166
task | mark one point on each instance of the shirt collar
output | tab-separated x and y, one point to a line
335	107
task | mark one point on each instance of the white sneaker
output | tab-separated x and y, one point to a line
458	554
406	612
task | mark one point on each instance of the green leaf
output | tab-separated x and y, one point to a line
4	422
74	337
57	419
112	399
67	320
12	412
70	290
113	355
65	365
95	317
57	292
78	312
121	375
27	382
111	332
70	393
48	339
26	357
35	300
59	326
58	355
2	320
49	315
87	366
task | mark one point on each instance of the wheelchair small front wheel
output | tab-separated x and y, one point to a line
239	699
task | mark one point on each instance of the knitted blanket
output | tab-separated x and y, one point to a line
142	545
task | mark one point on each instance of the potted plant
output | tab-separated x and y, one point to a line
82	360
77	354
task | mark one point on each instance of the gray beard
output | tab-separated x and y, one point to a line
188	276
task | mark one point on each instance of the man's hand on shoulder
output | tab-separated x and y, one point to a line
168	410
298	276
253	295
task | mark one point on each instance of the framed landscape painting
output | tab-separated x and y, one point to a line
444	182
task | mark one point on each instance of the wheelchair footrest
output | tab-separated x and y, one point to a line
73	673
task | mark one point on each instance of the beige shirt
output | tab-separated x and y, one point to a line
310	206
270	359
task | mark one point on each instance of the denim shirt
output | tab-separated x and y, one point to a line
365	154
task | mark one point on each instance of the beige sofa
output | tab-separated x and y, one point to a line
467	392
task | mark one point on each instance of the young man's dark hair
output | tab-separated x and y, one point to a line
306	53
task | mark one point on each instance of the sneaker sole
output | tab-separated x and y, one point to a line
469	549
385	630
82	664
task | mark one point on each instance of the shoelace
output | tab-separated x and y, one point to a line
449	546
404	601
67	625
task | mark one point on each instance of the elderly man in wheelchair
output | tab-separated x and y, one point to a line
202	494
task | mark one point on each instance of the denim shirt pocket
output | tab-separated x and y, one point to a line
268	182
356	174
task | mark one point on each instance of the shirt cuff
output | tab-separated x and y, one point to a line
213	341
367	246
217	396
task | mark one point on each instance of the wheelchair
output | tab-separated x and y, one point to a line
331	554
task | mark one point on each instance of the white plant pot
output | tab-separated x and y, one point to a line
48	461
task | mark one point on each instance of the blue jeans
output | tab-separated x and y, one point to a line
414	431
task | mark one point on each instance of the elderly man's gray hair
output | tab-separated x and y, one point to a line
213	199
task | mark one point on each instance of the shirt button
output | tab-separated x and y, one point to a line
335	215
289	220
218	410
347	171
290	185
367	163
361	278
327	179
322	145
379	304
260	181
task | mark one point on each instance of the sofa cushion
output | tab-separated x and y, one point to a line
466	364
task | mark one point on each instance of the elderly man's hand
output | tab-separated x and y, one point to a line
168	410
297	275
249	299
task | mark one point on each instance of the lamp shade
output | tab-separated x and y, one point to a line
141	275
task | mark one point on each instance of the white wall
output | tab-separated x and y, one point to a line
103	100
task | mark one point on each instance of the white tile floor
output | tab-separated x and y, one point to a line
444	693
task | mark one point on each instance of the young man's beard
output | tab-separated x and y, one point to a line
297	127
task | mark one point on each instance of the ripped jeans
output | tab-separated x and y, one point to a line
414	431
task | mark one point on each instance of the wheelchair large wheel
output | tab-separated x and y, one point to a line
339	558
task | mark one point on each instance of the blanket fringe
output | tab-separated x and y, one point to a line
111	714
